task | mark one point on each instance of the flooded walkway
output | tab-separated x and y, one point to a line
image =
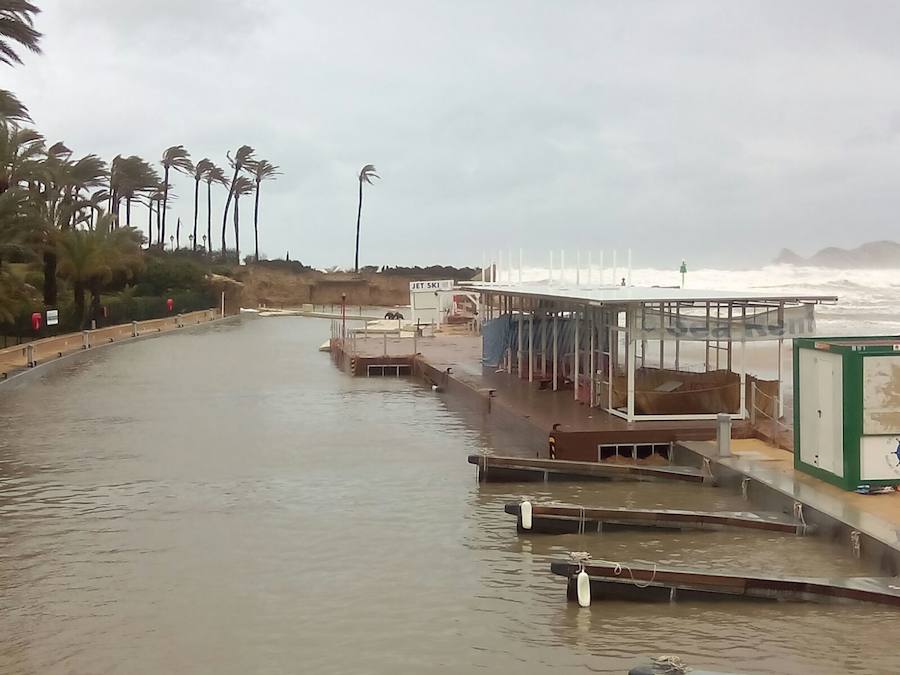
226	501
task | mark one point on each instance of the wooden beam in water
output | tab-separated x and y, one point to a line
561	519
521	469
625	582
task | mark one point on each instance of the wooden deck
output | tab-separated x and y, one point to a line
620	581
565	519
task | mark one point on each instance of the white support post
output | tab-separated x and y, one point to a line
531	346
592	365
510	266
589	270
521	255
482	268
743	410
677	341
544	345
555	351
576	315
630	348
780	380
520	364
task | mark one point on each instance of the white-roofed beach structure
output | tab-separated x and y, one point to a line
641	353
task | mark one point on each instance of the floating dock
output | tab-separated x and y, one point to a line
561	519
623	582
521	469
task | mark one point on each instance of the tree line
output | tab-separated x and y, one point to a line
65	211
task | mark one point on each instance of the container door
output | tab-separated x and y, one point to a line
825	414
809	407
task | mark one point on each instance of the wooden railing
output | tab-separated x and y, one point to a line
47	349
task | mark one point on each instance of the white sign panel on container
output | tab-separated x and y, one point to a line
52	317
421	286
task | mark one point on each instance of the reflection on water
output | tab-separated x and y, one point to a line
225	501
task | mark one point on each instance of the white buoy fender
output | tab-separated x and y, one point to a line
583	589
525	511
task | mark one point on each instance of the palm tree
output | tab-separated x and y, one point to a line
17	25
90	258
260	170
366	174
243	155
213	175
176	158
11	108
200	170
130	177
241	186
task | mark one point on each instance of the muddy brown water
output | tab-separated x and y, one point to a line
225	501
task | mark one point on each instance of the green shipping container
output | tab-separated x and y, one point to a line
847	410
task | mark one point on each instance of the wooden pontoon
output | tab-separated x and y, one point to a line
521	469
561	519
623	582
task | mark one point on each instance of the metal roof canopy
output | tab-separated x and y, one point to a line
626	295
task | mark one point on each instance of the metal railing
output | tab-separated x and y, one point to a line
31	353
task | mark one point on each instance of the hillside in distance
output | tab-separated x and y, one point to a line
872	255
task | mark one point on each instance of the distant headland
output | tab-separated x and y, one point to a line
872	255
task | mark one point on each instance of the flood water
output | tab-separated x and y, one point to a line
226	501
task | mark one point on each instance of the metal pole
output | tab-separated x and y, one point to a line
544	345
780	380
743	410
519	355
555	351
577	352
630	345
677	333
531	345
591	362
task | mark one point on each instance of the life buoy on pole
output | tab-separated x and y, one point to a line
525	515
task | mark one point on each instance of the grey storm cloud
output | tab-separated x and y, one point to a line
714	131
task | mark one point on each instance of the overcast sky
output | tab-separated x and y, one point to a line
716	131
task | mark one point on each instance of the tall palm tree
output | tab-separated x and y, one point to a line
260	170
129	178
366	174
11	108
17	25
90	258
241	186
243	155
213	175
176	158
200	169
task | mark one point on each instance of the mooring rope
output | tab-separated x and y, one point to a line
670	664
581	521
798	514
745	489
707	469
581	557
855	544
